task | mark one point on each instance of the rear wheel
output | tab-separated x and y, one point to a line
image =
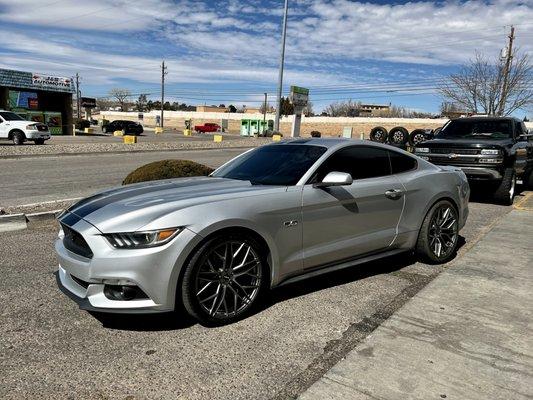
438	236
18	138
224	279
505	192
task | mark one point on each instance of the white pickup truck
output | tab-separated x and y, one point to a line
14	127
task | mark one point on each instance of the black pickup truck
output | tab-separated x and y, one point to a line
493	150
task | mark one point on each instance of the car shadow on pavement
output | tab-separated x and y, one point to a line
168	321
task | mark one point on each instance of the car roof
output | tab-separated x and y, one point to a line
476	119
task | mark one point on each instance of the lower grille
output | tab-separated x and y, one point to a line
75	242
80	282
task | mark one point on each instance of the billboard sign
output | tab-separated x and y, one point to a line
88	102
51	82
299	96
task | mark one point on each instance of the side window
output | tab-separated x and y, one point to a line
361	162
518	129
401	163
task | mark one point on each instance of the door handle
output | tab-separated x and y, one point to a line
394	193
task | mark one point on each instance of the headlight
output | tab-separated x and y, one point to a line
422	150
31	127
140	240
490	152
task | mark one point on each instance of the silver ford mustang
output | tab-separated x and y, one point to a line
271	216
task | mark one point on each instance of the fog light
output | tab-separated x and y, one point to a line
123	293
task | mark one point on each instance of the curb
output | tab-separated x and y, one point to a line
13	222
17	222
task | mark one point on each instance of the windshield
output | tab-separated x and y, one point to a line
272	165
468	129
10	116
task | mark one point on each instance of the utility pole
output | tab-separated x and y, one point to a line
506	70
78	102
265	110
281	62
163	73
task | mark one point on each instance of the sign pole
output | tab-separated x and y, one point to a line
281	62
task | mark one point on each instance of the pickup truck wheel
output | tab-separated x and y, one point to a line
39	141
505	192
18	138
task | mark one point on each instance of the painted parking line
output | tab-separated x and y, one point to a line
525	203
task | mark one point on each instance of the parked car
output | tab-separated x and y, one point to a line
273	215
492	150
19	130
81	124
208	127
129	127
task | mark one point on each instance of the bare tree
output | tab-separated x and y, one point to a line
347	108
479	85
121	95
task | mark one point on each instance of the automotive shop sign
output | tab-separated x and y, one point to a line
51	82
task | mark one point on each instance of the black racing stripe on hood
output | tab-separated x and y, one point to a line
69	219
90	205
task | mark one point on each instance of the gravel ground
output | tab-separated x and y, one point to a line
10	151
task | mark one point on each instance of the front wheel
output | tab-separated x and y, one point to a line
438	236
505	192
18	138
224	279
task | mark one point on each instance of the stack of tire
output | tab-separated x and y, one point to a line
399	136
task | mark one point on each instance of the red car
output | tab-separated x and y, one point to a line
207	127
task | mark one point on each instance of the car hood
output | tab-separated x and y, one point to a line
466	143
129	208
23	124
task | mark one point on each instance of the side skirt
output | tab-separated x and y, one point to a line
341	265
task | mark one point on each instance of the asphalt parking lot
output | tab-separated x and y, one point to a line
49	348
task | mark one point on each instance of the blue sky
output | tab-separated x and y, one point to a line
227	51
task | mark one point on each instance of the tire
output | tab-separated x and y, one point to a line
39	141
211	290
439	234
379	134
398	135
417	136
506	190
18	138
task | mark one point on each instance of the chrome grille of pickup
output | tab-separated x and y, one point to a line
436	150
74	242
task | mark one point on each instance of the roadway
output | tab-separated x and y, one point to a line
49	178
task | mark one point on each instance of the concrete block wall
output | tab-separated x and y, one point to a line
328	126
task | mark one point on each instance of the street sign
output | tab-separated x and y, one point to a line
299	96
88	102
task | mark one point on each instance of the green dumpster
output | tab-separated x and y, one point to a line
245	127
254	127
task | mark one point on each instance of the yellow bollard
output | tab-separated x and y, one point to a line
217	138
158	130
187	132
118	133
276	138
130	139
89	130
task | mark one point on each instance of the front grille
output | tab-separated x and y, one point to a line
437	150
454	161
75	242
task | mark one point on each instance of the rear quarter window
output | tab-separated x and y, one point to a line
401	162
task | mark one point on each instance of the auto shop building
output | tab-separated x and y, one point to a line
38	97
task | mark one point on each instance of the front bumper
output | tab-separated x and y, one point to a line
481	173
32	135
155	271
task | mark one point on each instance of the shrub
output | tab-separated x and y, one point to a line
167	169
315	134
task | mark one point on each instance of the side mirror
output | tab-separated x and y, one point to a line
335	179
